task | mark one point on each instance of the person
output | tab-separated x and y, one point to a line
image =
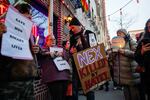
142	56
66	46
125	65
55	79
2	29
139	36
79	40
17	75
140	69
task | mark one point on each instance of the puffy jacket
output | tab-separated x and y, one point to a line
125	65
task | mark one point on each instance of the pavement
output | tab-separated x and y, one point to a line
105	95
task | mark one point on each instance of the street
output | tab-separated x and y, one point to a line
106	95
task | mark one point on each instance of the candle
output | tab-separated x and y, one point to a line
37	40
119	46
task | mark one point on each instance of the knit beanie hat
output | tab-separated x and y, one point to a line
123	31
74	21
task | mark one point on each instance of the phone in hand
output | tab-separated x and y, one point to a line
145	41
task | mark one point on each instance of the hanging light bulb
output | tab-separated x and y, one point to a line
120	11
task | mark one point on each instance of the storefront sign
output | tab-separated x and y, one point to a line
15	42
92	67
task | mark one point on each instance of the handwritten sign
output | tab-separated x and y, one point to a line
15	42
92	67
61	64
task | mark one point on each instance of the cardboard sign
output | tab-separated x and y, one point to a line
61	64
92	67
117	42
15	42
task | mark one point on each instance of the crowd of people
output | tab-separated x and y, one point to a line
129	66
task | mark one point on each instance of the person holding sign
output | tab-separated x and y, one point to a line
80	39
17	75
125	65
2	29
54	73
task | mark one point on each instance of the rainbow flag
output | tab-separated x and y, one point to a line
85	6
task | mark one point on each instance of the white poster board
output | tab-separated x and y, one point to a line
56	49
92	40
15	42
61	64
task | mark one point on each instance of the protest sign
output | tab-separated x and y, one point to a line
92	67
15	42
61	63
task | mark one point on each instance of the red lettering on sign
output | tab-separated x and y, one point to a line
95	80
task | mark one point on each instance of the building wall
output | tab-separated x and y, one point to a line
134	32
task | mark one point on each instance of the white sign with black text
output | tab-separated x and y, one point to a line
15	42
61	64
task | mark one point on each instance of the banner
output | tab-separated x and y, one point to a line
92	67
15	42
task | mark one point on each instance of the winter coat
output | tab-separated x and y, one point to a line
144	60
125	65
15	69
50	73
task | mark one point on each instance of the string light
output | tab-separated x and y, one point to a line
119	10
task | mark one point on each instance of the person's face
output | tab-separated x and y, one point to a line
148	26
50	42
75	29
67	46
121	34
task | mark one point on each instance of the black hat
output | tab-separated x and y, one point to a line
23	8
75	21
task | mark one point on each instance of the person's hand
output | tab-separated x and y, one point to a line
79	42
122	51
73	50
2	28
59	54
145	48
139	69
35	48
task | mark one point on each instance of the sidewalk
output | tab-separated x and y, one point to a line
106	95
